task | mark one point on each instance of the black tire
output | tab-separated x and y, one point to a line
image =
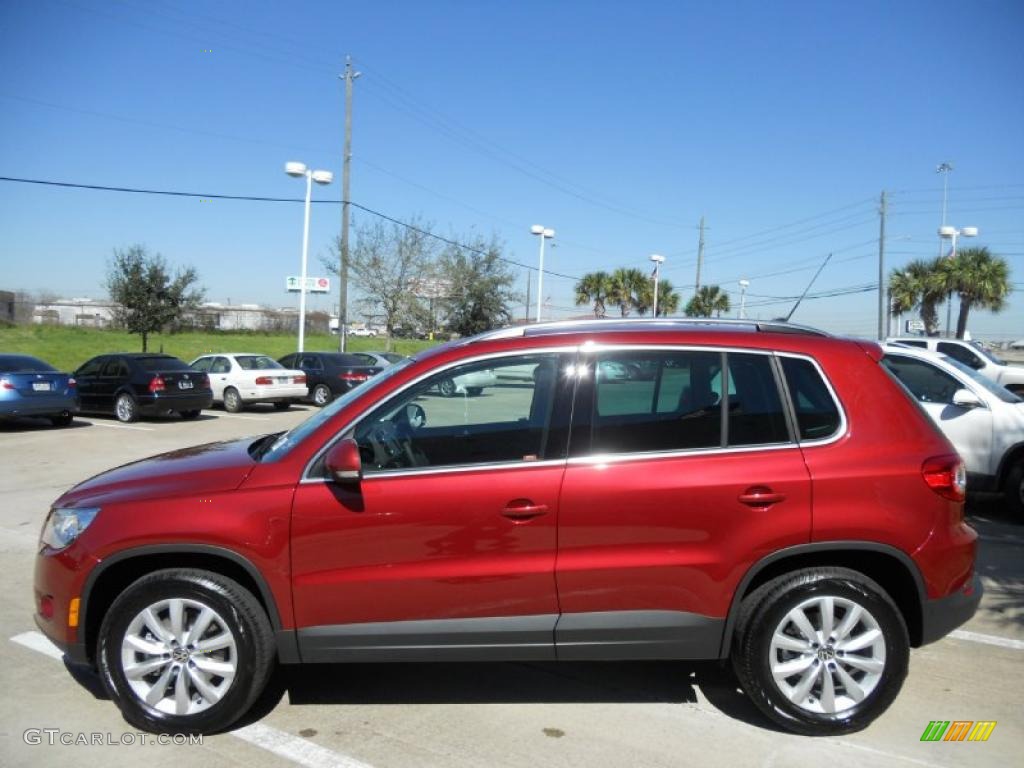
474	391
447	388
241	615
765	610
63	419
126	409
284	405
1013	491
233	401
189	415
321	395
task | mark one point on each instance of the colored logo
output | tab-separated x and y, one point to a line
958	730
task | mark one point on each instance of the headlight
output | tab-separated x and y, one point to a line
64	525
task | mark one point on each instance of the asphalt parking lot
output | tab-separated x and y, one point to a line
521	714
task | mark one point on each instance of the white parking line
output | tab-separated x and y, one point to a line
293	748
245	418
977	637
117	426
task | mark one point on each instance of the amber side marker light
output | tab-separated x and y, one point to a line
73	612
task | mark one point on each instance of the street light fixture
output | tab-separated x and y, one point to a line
658	261
544	234
298	170
953	234
744	284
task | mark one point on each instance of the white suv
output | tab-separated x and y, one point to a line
983	421
973	355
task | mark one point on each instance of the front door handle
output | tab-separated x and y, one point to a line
522	510
760	497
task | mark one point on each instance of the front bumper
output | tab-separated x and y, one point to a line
60	577
941	616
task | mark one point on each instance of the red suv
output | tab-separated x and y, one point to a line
626	490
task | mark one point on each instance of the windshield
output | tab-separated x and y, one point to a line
990	386
256	362
288	440
987	353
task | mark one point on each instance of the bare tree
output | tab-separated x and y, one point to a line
387	262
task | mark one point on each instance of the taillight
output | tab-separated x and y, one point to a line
264	380
156	384
72	382
6	384
353	376
300	379
204	381
946	475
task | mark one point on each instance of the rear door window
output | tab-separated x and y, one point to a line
817	414
754	408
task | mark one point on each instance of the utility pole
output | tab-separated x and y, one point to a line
346	168
882	310
529	275
700	256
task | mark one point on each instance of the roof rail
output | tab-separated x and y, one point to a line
644	323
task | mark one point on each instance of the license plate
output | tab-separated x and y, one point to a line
41	386
183	384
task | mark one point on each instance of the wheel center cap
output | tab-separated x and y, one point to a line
826	653
180	655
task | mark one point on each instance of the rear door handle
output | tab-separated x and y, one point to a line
760	497
522	510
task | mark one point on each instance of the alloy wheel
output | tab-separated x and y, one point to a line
179	656
827	654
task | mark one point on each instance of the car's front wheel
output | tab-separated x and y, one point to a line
185	651
821	651
1013	491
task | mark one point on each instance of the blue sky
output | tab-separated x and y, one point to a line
616	124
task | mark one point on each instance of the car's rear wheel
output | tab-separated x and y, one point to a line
821	651
232	400
185	651
322	395
62	419
126	409
283	405
474	391
188	415
1013	491
447	388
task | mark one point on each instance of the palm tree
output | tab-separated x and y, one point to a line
920	285
668	299
708	299
626	289
980	279
594	287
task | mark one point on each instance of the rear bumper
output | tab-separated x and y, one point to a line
161	403
45	405
275	394
941	616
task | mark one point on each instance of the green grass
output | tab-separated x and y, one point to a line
67	348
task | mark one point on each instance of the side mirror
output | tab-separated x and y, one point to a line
964	398
343	463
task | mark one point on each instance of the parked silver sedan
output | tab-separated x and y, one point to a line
241	378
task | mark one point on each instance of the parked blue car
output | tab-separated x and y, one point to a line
30	387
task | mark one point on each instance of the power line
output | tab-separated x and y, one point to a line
261	199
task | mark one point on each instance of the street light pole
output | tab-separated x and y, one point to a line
744	284
658	261
545	234
297	170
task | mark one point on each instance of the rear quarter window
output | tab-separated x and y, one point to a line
816	411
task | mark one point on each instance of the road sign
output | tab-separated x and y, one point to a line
313	284
915	326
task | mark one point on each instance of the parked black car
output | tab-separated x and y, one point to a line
128	385
329	374
30	387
